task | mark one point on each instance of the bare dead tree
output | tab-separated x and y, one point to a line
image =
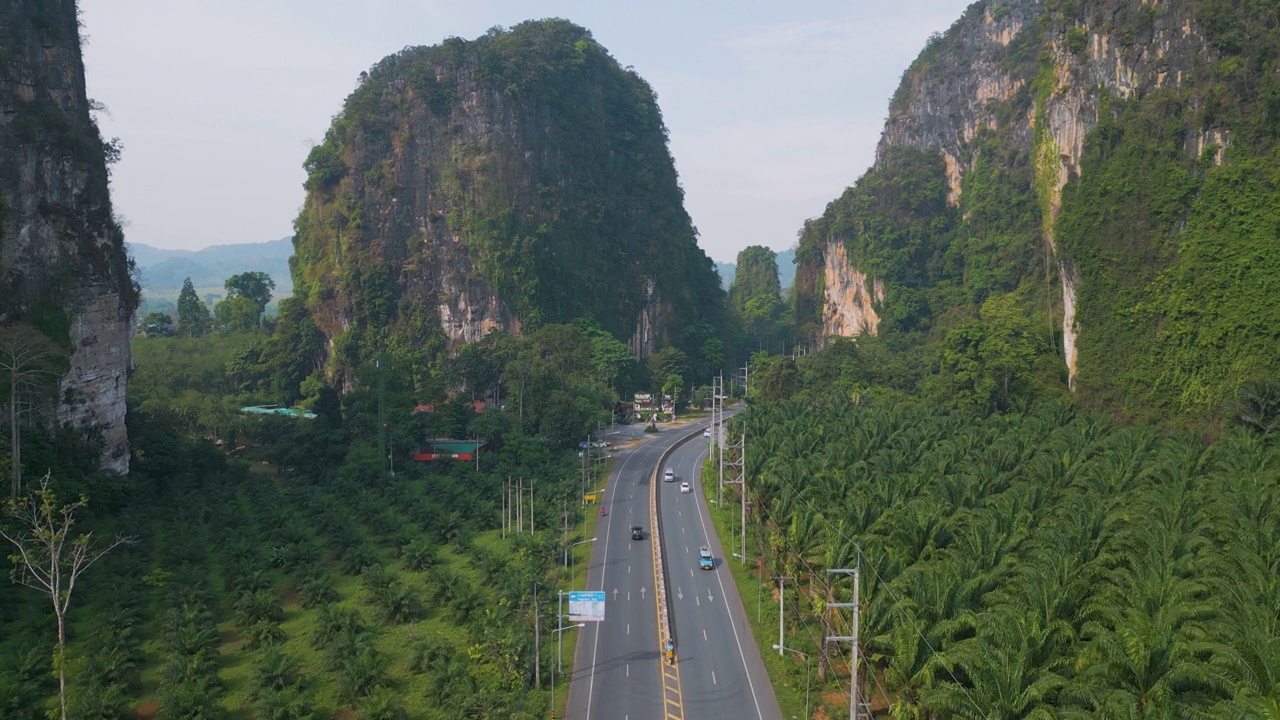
29	363
49	560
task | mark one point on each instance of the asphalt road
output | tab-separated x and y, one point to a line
618	671
721	672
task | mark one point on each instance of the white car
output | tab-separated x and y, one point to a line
706	432
684	487
669	475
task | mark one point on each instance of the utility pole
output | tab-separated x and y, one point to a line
738	469
382	413
742	458
851	639
720	436
782	603
537	656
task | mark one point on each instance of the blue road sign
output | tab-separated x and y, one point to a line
586	605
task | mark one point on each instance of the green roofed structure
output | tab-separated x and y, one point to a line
450	449
277	410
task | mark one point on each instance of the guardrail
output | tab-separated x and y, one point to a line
660	567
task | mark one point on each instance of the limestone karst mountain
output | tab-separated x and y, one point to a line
63	266
518	179
1097	175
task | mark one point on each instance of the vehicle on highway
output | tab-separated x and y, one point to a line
669	475
706	432
637	532
684	487
705	561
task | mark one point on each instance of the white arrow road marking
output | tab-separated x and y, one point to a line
615	593
709	598
680	593
642	592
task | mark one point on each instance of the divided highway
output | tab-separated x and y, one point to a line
618	669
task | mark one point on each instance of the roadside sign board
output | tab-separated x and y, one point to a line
586	606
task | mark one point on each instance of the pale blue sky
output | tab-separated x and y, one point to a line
773	107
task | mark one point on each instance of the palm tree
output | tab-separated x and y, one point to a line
1010	670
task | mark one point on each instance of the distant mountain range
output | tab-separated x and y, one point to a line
786	270
163	271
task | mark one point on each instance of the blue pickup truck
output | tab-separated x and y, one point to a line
705	561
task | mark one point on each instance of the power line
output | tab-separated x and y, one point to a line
879	578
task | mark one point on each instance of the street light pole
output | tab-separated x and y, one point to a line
573	559
553	670
780	649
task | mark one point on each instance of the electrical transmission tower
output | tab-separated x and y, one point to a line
852	638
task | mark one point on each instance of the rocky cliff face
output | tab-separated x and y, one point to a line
63	266
500	184
1013	99
849	296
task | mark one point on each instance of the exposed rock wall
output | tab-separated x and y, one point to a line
63	265
849	296
1040	79
498	184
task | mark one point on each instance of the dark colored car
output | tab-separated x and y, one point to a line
637	532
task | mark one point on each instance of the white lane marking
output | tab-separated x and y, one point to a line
628	669
628	628
704	635
713	678
702	517
595	644
698	600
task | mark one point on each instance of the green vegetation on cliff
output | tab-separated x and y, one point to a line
1165	227
523	177
755	296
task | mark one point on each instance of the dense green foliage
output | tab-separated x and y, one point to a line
193	315
755	296
1184	272
1041	562
1168	230
317	586
556	190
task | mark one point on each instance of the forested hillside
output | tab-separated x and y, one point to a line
504	183
1088	181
